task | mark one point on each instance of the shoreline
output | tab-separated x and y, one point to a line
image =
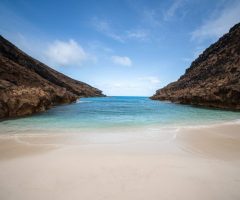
197	163
172	127
116	137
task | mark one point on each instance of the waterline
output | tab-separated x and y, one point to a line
117	113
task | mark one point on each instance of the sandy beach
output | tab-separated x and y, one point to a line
191	163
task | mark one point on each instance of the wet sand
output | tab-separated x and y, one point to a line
192	163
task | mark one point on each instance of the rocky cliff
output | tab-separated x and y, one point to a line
28	86
213	79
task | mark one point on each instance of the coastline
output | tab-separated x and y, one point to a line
195	163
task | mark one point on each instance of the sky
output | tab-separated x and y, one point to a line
123	47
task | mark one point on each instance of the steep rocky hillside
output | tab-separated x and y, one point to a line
213	79
28	86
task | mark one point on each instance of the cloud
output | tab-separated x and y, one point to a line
137	34
98	46
171	11
185	59
125	88
122	60
65	53
131	86
219	24
105	28
150	79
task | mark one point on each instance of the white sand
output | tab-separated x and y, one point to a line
197	163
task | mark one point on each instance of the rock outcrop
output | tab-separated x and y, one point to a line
213	79
28	86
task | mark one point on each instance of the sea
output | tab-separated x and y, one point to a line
117	113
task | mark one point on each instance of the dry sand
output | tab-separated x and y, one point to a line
197	163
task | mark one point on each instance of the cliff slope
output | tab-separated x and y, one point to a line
28	86
213	79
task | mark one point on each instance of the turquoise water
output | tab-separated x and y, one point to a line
111	112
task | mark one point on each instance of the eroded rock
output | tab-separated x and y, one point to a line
213	79
28	86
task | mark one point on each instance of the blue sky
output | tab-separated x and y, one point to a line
125	47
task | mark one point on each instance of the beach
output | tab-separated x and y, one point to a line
120	100
187	163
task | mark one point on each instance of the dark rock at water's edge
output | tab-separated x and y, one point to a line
213	79
28	86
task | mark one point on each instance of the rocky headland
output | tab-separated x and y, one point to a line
213	79
28	86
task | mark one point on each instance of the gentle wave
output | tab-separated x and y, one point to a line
80	101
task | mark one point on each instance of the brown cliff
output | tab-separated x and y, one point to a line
28	86
213	79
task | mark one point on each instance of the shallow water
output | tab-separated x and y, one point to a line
117	112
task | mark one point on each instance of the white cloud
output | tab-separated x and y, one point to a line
219	24
105	28
98	46
125	88
150	79
137	34
122	60
65	53
171	11
185	59
131	86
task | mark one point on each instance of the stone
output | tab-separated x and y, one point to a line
213	79
28	86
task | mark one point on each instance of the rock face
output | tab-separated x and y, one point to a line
213	79
28	86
